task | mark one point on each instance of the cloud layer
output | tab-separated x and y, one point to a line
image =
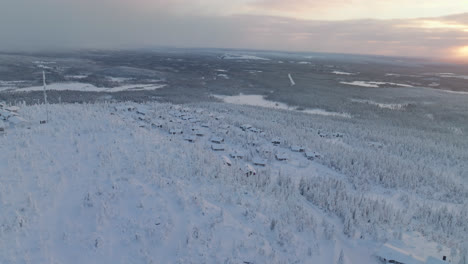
62	24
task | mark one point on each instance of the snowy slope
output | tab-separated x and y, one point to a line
100	184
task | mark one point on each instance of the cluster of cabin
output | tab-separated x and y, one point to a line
192	124
330	135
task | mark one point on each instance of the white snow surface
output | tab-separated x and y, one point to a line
91	187
392	106
291	80
241	57
100	184
342	73
259	100
86	87
372	84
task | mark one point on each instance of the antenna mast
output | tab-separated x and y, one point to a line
45	96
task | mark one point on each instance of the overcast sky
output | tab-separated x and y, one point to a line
429	28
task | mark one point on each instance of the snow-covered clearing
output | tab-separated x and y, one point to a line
400	106
342	73
241	57
86	87
259	100
108	183
372	84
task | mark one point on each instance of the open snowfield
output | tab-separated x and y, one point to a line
101	184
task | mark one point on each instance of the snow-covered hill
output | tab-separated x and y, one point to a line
108	183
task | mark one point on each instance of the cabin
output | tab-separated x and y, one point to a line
190	138
124	108
217	140
236	155
227	161
206	125
175	131
281	157
157	125
6	114
297	149
391	254
255	130
142	111
259	162
199	133
12	108
276	141
246	127
217	147
249	170
336	135
312	155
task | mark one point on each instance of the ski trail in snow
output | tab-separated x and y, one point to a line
291	80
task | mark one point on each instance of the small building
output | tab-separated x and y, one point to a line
246	127
125	108
175	131
391	254
259	162
312	155
249	170
217	147
157	125
297	149
227	161
217	140
199	133
190	138
255	130
206	125
12	108
142	111
236	155
281	157
276	141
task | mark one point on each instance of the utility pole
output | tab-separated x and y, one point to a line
45	96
